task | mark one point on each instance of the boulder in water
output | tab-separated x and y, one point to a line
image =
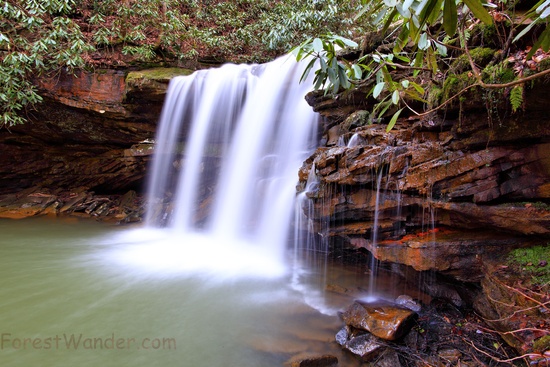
383	319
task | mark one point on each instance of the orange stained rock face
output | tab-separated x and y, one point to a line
384	320
100	92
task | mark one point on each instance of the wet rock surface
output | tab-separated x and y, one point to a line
381	319
121	209
442	335
440	193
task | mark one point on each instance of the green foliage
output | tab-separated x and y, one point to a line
332	71
421	33
542	344
537	15
35	37
534	262
298	20
516	97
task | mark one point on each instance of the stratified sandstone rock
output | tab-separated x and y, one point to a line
439	193
127	208
93	132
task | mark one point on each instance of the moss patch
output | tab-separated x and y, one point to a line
157	74
534	262
481	57
498	74
455	83
542	344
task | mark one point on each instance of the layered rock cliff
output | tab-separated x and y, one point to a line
91	136
443	192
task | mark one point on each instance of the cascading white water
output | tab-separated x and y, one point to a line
242	132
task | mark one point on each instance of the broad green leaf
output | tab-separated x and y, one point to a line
380	16
317	45
385	106
418	88
307	70
319	80
387	75
390	19
331	75
450	19
344	81
378	89
479	11
323	63
393	120
407	4
421	7
434	12
432	60
395	97
405	83
346	41
441	49
423	41
540	8
405	13
357	72
403	58
336	86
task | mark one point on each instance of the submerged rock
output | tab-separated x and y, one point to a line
320	361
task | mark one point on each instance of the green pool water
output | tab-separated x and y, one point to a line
73	294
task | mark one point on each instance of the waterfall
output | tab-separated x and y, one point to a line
229	145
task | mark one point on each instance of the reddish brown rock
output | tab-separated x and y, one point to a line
383	320
488	185
91	133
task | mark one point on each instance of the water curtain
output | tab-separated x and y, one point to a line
229	145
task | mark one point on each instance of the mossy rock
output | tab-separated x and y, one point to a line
435	94
498	74
542	344
481	57
149	77
455	83
533	262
